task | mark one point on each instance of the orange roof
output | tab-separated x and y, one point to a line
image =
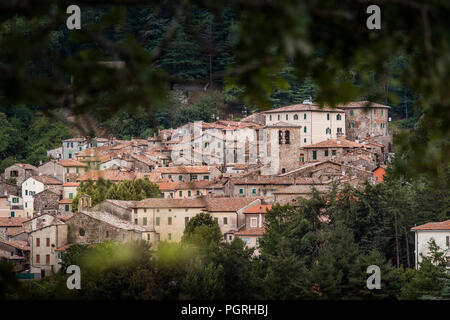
335	143
47	179
65	247
167	186
444	225
259	208
25	166
251	232
22	245
65	201
226	204
113	175
169	203
71	184
72	163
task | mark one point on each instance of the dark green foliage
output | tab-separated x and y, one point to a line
124	190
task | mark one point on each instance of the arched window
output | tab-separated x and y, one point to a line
338	117
287	137
280	137
283	170
328	131
295	117
304	116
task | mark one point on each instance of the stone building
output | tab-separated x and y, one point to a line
34	185
89	227
16	253
53	169
20	172
367	119
328	150
47	201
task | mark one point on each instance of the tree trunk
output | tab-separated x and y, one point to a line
407	249
396	240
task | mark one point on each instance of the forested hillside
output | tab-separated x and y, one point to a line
206	53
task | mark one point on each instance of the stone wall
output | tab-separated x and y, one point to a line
46	200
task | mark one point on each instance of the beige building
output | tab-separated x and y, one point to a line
43	242
165	219
317	124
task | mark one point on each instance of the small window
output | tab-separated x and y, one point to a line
180	193
157	237
326	153
186	220
287	137
328	116
351	113
283	170
278	118
81	232
304	140
205	177
70	195
157	221
287	117
180	177
253	191
169	221
189	193
295	117
144	221
374	111
304	116
253	222
314	155
241	191
148	236
270	117
333	152
135	221
38	242
374	124
225	221
47	242
304	129
38	258
447	241
107	234
280	137
338	117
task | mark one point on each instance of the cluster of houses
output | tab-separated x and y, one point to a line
233	170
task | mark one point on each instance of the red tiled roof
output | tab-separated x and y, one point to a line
72	163
65	247
227	204
65	201
113	175
47	180
169	203
71	184
167	186
259	208
26	166
12	221
22	245
251	232
443	225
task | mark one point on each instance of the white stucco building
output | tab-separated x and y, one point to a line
439	231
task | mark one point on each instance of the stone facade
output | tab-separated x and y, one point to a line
20	172
95	227
53	169
46	201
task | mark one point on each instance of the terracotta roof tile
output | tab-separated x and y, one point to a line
47	180
11	221
303	107
72	163
251	232
443	225
259	208
335	143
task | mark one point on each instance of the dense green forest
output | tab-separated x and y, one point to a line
185	58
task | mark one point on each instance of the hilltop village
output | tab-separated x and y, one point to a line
233	170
